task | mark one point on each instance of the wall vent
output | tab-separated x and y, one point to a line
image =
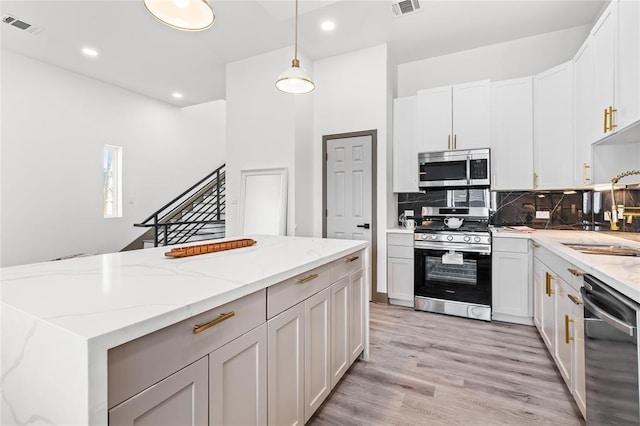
21	25
405	7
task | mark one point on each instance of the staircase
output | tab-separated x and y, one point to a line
196	214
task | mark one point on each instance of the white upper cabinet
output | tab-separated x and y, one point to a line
406	131
553	128
607	70
454	117
512	134
587	127
471	115
603	42
628	70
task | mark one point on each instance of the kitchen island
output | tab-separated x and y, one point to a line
61	319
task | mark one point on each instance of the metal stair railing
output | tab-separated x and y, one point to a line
182	218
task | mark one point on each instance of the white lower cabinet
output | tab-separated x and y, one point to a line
238	381
559	317
512	295
400	268
562	345
180	399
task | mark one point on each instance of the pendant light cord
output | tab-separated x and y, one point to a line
295	52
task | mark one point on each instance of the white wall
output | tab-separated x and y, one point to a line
55	124
266	129
353	94
512	59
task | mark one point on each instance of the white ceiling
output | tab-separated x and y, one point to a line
140	54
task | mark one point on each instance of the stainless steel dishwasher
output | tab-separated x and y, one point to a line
611	355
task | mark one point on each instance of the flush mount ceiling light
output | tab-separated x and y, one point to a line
186	15
328	26
177	95
295	80
90	52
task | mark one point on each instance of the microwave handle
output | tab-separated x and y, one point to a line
468	169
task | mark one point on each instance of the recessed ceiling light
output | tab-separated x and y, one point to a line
177	95
90	52
328	26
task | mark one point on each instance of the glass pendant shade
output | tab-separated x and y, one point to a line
295	80
187	15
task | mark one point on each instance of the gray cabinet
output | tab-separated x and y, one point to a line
238	381
286	367
180	399
243	369
317	351
357	302
340	329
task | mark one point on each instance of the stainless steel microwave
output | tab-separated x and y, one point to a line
454	168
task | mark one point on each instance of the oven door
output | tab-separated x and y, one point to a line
438	277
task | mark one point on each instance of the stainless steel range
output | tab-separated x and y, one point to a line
452	250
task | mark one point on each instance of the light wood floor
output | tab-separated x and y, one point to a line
431	369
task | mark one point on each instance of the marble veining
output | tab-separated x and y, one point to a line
582	210
60	318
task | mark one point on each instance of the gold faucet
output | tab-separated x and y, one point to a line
635	211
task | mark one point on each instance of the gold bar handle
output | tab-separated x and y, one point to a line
575	272
307	278
574	299
352	258
611	125
448	141
549	290
585	174
455	142
606	115
223	317
567	338
535	180
534	245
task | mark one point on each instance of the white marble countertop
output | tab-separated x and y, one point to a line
620	272
67	314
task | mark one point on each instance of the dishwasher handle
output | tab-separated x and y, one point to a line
604	316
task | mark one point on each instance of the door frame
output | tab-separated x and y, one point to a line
375	296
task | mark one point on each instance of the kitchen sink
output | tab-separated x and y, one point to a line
606	249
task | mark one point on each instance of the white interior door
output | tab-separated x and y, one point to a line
349	188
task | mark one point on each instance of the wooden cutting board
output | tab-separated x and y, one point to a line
210	248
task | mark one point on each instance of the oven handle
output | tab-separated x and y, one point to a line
446	247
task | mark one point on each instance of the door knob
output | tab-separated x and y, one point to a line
365	226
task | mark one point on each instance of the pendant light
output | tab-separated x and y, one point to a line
295	80
186	15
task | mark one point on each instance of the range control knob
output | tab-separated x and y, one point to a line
476	239
434	236
467	238
449	237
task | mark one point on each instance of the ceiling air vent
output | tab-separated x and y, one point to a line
20	24
405	7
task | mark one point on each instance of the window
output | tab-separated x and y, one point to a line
112	181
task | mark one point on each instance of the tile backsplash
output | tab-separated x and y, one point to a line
579	210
